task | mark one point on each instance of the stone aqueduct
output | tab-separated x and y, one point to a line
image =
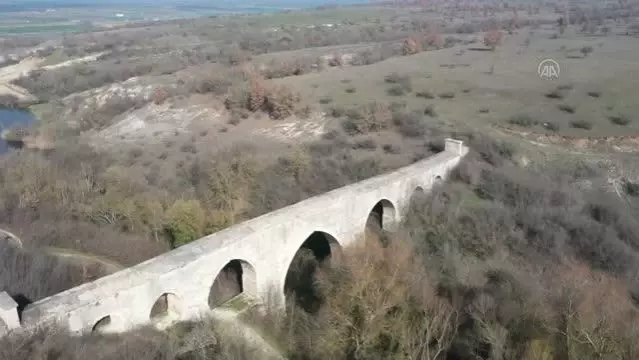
180	282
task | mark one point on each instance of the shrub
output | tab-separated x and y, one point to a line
188	147
484	110
186	222
281	102
555	94
631	188
337	111
396	90
619	120
430	111
159	96
566	108
447	95
366	144
403	81
326	100
351	90
522	120
549	125
411	46
135	153
581	124
410	124
586	50
425	95
371	117
493	38
392	149
234	119
594	94
397	106
256	93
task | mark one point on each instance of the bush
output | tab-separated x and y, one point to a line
425	95
631	188
371	117
337	111
351	90
411	46
326	100
581	124
549	125
447	95
402	80
523	120
135	153
410	124
594	94
493	38
619	120
586	50
366	144
430	111
186	222
188	147
235	118
566	108
396	90
392	149
555	94
281	102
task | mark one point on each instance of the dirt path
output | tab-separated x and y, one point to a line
83	258
577	145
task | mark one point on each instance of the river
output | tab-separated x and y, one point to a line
10	118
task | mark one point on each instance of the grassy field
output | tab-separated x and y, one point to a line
466	95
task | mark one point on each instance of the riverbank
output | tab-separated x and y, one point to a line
15	127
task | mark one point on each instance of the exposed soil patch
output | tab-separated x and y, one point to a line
623	143
294	128
153	123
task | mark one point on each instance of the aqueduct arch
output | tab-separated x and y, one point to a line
236	277
165	310
383	216
102	325
316	251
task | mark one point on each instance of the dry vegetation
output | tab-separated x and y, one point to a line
518	256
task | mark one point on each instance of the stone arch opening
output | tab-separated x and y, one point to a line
236	277
315	254
438	179
165	310
382	216
102	325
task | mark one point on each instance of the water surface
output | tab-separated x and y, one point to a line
11	118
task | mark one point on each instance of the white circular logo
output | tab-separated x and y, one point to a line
548	69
